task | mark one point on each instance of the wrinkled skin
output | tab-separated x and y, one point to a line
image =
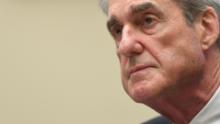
158	50
166	63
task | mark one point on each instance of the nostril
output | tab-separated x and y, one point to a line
130	48
138	48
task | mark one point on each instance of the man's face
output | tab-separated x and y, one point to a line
158	51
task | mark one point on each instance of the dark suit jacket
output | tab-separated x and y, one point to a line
158	120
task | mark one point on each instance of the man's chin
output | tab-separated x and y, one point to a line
140	94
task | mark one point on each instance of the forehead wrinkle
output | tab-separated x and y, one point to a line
143	7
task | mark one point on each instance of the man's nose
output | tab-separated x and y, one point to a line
130	44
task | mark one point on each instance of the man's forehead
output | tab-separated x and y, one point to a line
124	3
129	2
120	5
116	6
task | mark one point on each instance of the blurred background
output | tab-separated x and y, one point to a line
58	66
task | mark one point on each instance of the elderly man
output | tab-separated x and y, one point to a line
169	53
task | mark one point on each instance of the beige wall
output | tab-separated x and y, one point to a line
58	66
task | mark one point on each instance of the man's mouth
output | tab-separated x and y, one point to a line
138	68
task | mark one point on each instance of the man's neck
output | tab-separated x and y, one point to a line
182	105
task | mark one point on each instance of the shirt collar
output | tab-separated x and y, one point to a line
210	114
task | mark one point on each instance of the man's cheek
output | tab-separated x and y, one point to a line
125	83
123	60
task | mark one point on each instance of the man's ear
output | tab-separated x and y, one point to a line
208	28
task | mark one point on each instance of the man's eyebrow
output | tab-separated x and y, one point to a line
112	20
143	7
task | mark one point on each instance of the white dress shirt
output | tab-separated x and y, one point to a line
210	114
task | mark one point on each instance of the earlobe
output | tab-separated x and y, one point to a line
210	28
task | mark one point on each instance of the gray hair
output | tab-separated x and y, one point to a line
191	8
104	6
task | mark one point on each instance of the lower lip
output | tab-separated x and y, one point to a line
139	73
142	69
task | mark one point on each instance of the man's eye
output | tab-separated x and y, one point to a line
116	32
149	21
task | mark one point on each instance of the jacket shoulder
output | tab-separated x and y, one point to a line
158	120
